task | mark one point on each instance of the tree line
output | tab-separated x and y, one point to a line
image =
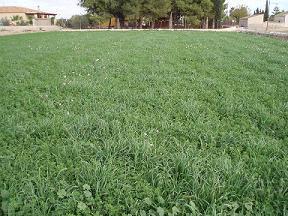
190	13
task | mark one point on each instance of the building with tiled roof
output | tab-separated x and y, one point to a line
282	18
23	15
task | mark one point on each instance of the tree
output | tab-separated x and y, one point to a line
207	7
97	20
258	11
266	14
64	23
276	11
30	19
239	12
219	7
114	8
132	10
194	11
16	18
78	21
19	21
154	10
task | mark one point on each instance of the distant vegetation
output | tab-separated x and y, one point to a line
4	22
136	12
239	12
15	20
19	21
77	22
160	14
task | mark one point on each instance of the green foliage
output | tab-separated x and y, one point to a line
156	9
19	21
63	23
207	8
219	6
16	18
133	8
22	23
276	10
113	8
143	123
30	19
96	20
239	12
259	11
78	22
194	10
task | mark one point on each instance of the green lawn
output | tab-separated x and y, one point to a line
143	123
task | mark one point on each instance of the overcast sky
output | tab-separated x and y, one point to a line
67	8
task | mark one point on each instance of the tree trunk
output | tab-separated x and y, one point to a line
122	22
153	25
218	24
207	23
110	21
213	25
117	23
185	23
140	22
171	20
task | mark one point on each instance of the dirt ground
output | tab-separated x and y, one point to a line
12	30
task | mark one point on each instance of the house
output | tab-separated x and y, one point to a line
282	18
250	21
23	15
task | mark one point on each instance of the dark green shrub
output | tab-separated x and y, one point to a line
22	23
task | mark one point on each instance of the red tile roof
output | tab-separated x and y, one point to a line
14	9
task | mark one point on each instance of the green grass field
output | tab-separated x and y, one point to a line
143	123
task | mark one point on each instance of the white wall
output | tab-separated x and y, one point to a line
282	19
256	20
279	19
42	22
